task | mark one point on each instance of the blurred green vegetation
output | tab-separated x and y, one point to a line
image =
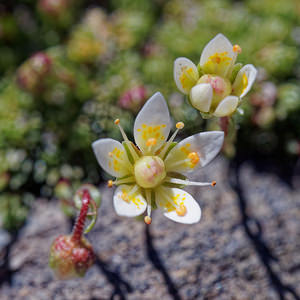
68	68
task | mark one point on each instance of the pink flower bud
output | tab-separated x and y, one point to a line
31	74
53	8
70	258
133	99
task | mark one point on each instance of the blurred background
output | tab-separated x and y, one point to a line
68	68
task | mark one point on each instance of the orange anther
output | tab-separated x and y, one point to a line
181	210
110	183
151	142
213	183
179	125
147	220
237	49
117	121
125	197
193	156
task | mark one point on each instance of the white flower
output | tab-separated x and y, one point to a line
149	175
215	87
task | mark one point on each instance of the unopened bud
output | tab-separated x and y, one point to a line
30	75
69	258
133	99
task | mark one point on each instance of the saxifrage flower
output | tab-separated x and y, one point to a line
151	173
217	85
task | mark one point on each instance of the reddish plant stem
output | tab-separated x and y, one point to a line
79	225
224	123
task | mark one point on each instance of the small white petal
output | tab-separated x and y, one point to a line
185	74
112	157
244	80
126	204
217	56
227	106
194	152
201	96
153	121
168	198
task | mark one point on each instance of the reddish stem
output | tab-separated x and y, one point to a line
79	225
224	122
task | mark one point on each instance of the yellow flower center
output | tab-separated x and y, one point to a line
149	171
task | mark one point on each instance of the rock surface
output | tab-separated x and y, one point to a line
245	247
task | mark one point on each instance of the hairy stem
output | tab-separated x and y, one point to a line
79	225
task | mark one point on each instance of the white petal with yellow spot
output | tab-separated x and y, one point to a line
152	124
178	205
227	106
185	74
194	152
217	56
112	157
244	80
128	201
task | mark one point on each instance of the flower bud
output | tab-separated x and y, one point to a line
53	8
63	189
70	258
31	74
94	192
133	99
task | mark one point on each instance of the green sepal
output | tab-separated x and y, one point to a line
206	115
130	157
235	70
173	144
200	71
153	203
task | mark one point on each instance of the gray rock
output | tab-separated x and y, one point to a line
215	259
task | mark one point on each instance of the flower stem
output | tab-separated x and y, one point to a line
224	124
79	225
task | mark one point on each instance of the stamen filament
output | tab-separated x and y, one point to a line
126	180
148	218
150	143
236	51
148	198
187	182
133	190
117	122
179	126
127	141
178	163
132	151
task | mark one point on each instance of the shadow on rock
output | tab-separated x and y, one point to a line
254	232
121	287
6	272
157	263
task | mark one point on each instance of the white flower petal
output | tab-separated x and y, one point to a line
217	56
194	152
185	74
112	157
128	201
152	122
169	198
227	106
201	96
244	80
